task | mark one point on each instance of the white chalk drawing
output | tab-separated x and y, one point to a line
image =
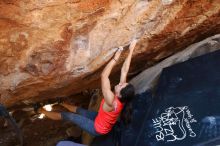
174	124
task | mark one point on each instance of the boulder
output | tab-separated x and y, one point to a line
59	47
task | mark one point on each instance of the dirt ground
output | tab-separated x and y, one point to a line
43	132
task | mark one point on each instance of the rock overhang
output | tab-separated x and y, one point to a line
58	48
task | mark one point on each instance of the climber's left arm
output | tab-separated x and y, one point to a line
105	82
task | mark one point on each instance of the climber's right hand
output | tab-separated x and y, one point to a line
133	44
117	54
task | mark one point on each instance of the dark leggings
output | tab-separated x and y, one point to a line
84	119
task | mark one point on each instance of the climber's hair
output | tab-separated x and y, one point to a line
127	94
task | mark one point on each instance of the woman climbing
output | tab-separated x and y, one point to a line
111	105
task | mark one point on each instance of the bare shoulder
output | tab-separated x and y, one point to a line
107	108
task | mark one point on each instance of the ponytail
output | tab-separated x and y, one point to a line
126	115
127	94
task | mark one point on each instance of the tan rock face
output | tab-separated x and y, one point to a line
58	47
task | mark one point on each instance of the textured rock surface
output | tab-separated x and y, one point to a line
58	47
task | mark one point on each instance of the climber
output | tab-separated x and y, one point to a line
111	105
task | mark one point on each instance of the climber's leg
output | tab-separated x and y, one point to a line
86	113
71	108
89	114
51	115
83	122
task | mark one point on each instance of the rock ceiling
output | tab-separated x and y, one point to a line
59	47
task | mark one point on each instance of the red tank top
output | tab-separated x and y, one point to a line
105	120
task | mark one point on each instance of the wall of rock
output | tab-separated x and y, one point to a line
59	47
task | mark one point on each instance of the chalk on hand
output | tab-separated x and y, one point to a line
114	50
134	40
120	48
